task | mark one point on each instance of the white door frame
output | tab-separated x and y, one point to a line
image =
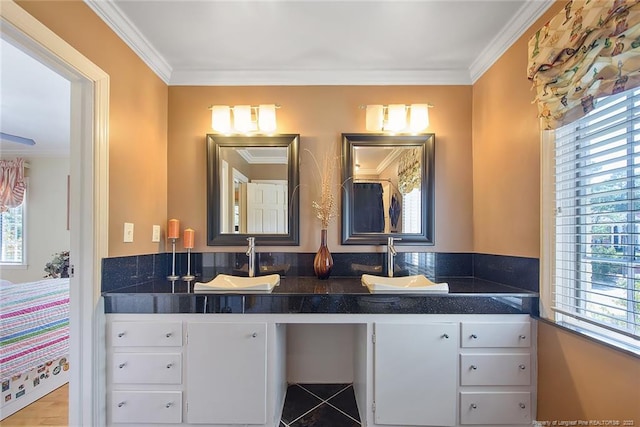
89	167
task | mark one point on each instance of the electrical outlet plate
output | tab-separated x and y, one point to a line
155	234
128	232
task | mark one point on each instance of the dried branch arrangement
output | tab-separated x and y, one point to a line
325	208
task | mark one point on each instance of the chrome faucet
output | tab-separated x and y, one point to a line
251	253
391	253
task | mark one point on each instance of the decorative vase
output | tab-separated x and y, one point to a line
322	263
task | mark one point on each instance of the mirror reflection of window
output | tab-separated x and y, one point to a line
403	167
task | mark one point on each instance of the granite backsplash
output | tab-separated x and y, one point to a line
520	272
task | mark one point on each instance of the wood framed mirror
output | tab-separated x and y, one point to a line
252	184
388	189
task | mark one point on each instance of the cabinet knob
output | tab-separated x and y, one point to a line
522	367
522	337
121	334
473	336
253	335
121	404
522	405
169	365
445	336
168	335
168	405
122	365
473	367
474	406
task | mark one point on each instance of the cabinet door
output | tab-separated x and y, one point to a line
415	374
226	373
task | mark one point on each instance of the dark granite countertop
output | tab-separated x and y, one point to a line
343	295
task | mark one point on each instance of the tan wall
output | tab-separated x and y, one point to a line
320	114
581	380
138	122
578	379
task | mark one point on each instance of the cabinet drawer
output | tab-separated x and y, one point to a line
156	407
495	408
495	369
515	334
143	368
146	334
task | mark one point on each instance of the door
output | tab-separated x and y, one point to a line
415	369
226	373
266	208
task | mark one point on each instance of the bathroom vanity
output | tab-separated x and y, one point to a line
175	357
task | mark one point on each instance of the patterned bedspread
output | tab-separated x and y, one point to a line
34	324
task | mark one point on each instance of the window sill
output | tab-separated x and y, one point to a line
14	266
594	337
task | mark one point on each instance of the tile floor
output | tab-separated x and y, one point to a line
320	405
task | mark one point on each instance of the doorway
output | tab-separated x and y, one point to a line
88	201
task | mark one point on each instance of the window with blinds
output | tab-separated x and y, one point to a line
12	236
597	221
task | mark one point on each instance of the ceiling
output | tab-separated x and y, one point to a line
273	42
34	104
309	42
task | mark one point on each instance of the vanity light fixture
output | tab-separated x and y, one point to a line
393	117
246	118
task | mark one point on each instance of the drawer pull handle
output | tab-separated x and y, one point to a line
168	335
121	334
474	406
168	405
445	336
122	365
522	337
522	367
169	365
253	335
121	404
522	405
473	336
473	367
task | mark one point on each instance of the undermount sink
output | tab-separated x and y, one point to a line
224	283
405	284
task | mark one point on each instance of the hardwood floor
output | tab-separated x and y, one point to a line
51	410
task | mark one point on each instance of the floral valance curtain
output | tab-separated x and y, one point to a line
12	184
589	50
409	170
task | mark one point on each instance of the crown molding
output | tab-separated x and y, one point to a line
319	77
526	16
111	14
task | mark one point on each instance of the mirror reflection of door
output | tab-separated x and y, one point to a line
267	206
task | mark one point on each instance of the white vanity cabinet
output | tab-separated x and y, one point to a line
226	373
497	371
415	374
230	370
188	369
144	372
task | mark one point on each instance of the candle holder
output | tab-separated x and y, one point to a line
188	277
173	276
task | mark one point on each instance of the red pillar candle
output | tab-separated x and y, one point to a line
173	230
189	238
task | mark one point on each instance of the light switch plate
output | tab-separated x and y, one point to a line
155	234
128	232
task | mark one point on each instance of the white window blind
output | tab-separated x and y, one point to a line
411	211
597	225
12	236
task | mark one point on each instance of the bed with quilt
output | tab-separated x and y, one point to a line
34	341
